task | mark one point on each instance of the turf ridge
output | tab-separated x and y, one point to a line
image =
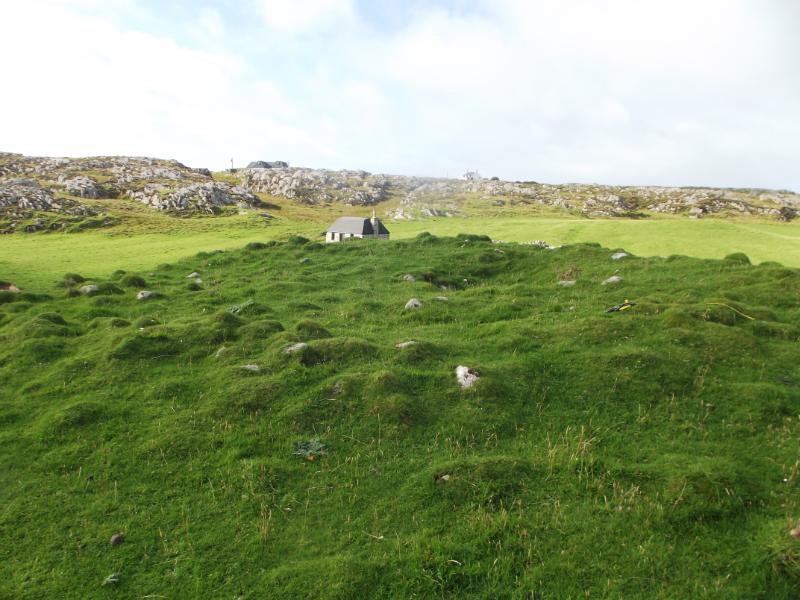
650	453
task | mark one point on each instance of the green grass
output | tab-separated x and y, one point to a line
147	238
649	454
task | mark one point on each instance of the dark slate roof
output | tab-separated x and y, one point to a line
357	225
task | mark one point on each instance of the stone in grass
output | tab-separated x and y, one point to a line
251	368
117	539
566	283
147	295
409	278
193	275
310	449
404	345
112	579
618	255
442	298
614	279
466	377
221	352
413	304
304	261
87	290
295	348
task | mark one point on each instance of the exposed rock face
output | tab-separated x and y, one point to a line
19	198
83	187
26	194
317	186
204	197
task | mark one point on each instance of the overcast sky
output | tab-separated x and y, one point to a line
667	92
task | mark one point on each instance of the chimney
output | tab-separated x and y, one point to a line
374	222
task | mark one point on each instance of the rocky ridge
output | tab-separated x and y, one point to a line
31	185
420	197
163	184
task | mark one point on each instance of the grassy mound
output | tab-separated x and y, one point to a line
273	433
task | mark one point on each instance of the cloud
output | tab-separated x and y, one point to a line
304	15
621	92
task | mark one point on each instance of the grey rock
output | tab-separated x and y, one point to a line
251	368
117	539
567	283
614	279
466	377
409	278
295	348
413	304
619	255
88	289
404	345
147	295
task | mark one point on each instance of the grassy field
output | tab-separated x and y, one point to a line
650	453
151	238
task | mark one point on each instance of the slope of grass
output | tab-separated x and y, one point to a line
650	453
147	238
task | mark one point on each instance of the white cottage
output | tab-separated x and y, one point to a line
356	227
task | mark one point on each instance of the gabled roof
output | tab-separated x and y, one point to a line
357	225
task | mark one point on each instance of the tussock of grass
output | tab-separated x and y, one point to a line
599	454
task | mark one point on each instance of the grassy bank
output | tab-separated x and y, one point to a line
39	259
650	453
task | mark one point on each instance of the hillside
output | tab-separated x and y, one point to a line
260	426
40	194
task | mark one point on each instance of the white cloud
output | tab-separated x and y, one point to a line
618	92
303	15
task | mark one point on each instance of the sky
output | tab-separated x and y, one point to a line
656	92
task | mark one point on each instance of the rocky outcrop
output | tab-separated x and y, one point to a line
318	186
19	197
207	197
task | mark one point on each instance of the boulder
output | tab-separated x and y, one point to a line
295	348
413	304
618	255
86	290
466	377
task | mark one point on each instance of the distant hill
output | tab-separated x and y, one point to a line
75	193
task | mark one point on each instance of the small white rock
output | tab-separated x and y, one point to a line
466	377
251	368
409	278
613	279
222	351
145	294
443	298
618	255
193	275
404	345
197	280
567	283
89	289
413	304
295	348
